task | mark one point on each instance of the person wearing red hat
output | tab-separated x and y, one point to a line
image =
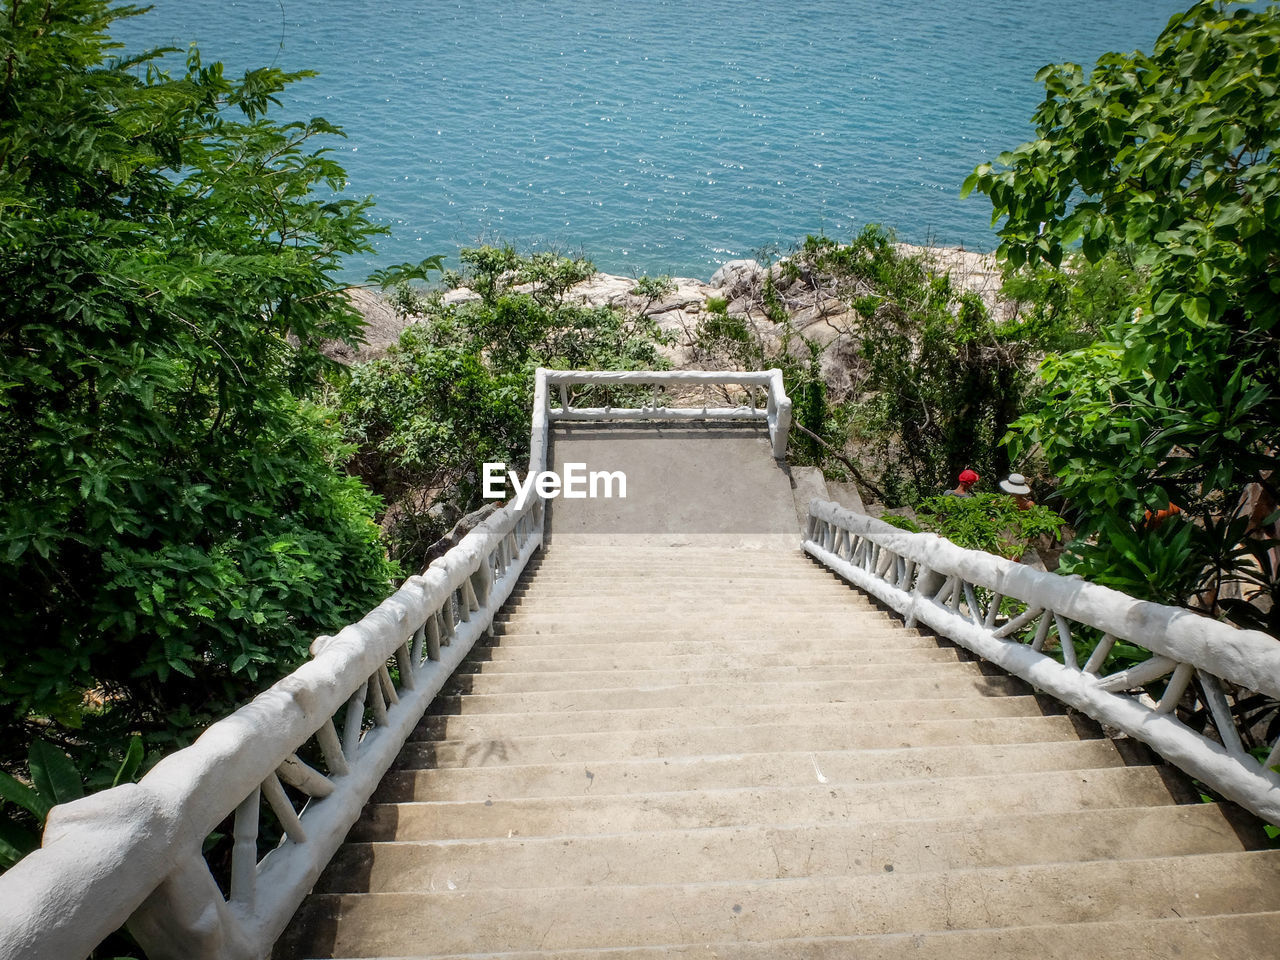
964	488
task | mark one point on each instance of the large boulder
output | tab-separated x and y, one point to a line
383	326
738	278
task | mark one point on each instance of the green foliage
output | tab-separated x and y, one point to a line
1155	563
1068	307
457	390
940	380
1174	155
986	521
735	342
901	522
175	527
653	289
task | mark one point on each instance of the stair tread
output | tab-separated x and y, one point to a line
614	659
745	852
1236	936
975	899
609	678
448	723
783	691
686	740
797	767
915	799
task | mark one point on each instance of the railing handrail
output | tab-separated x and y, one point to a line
929	579
759	378
1248	658
776	412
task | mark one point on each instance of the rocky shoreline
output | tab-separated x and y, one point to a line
739	282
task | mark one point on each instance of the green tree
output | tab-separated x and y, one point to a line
1174	155
938	378
457	389
176	526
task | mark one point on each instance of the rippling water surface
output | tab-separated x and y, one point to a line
661	137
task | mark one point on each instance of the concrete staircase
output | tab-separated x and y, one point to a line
684	749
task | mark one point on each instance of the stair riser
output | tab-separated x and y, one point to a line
796	769
703	741
447	724
763	853
782	692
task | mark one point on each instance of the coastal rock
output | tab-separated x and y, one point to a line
605	290
737	278
459	295
978	273
382	328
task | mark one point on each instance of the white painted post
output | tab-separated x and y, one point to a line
244	850
433	637
283	809
335	757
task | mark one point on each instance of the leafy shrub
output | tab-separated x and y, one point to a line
988	521
176	526
653	289
1154	157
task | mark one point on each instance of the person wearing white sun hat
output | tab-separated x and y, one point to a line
1016	484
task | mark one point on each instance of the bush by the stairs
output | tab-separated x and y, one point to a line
175	524
987	521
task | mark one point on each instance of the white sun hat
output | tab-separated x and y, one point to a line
1016	483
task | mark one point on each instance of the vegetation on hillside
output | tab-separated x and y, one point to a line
458	388
176	522
1174	158
931	380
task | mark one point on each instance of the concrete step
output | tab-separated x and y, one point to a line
680	550
1072	792
763	852
686	695
656	616
447	722
677	585
481	683
1244	936
654	658
807	483
790	769
696	600
790	569
563	918
684	741
516	645
779	581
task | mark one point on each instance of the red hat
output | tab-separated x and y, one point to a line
968	476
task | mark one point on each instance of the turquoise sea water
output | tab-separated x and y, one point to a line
657	136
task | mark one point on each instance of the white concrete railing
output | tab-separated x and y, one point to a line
314	746
776	411
1008	613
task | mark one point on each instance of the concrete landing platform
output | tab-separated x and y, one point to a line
718	481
